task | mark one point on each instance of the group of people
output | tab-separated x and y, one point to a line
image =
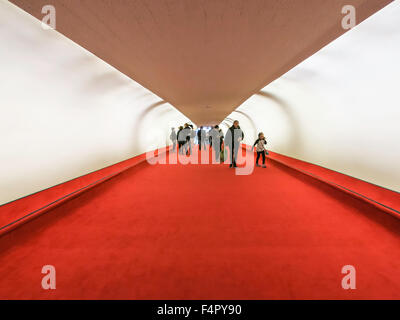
215	139
212	139
183	138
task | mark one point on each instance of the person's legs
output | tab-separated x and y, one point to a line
180	147
235	154
263	156
217	153
231	157
258	157
174	146
188	148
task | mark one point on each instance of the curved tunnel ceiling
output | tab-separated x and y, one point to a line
204	57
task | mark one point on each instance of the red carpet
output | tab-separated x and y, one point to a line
201	232
385	199
18	212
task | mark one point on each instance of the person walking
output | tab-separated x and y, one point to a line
201	137
215	142
221	144
186	135
173	138
260	148
191	139
181	139
233	137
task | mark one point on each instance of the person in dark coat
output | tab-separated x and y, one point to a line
215	141
233	137
173	138
201	137
221	137
221	143
186	134
181	139
191	138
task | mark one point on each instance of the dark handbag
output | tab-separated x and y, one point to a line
222	156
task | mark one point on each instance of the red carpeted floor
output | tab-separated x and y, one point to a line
201	232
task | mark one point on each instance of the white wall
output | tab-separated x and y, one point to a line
341	107
64	112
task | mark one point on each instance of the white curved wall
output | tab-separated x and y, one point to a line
64	112
340	108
